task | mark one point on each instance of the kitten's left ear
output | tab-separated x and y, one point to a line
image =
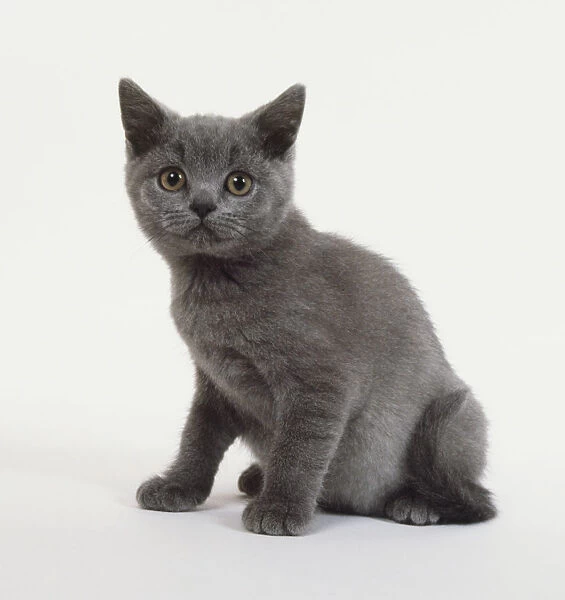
143	117
278	121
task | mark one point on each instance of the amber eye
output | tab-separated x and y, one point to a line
238	183
172	179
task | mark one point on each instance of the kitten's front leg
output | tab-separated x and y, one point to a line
211	427
308	431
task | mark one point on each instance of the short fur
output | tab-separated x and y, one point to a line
315	351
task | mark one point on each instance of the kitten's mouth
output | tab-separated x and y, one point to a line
201	230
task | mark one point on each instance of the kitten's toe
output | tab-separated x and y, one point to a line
276	517
250	482
159	493
411	509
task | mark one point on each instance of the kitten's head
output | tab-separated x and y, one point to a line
209	184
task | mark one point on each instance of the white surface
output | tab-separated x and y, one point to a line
433	133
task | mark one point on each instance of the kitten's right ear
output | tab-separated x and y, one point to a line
142	117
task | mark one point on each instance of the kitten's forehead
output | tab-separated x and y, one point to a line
212	141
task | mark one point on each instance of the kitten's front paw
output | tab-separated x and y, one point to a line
276	517
159	493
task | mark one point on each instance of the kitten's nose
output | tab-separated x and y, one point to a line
202	206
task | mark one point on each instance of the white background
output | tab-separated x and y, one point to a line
434	133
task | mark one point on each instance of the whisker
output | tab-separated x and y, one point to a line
175	219
155	237
232	227
233	219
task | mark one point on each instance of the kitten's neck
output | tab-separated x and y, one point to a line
208	274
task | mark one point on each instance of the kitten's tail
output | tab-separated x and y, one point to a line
454	496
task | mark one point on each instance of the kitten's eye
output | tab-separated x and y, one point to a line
172	179
238	183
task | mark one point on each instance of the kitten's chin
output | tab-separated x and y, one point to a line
201	239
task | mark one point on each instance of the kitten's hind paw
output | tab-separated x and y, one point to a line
276	517
409	508
250	482
160	493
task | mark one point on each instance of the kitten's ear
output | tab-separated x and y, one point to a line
142	117
278	121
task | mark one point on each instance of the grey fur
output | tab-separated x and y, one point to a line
314	351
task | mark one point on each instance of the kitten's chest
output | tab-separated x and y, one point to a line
208	321
219	335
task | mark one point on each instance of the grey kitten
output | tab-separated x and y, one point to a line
314	351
